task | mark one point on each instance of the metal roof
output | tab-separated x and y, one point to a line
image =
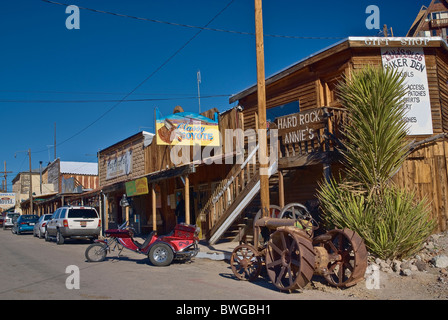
84	168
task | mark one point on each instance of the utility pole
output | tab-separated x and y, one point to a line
261	91
31	184
55	141
5	183
199	92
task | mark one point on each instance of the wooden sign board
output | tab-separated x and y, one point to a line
137	187
301	126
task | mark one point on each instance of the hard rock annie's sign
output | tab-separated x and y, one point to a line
410	63
300	127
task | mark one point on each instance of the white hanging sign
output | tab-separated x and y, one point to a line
410	62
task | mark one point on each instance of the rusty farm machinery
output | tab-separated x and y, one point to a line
284	244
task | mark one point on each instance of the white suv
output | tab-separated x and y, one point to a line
9	219
73	222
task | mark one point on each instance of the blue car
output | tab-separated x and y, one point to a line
24	223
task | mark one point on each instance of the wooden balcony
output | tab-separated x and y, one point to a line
439	23
310	142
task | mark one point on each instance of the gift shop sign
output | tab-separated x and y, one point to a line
410	63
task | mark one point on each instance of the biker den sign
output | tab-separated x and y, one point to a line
410	63
301	127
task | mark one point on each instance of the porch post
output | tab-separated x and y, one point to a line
187	200
154	210
281	190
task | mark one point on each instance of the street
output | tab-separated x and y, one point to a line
35	269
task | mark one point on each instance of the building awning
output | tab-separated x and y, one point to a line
154	177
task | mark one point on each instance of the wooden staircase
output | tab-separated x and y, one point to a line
232	196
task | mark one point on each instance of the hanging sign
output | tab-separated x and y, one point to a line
119	166
302	126
410	62
7	200
187	129
137	187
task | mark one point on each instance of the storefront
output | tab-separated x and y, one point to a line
307	149
154	185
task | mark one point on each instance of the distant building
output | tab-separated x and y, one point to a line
59	182
21	187
71	176
431	21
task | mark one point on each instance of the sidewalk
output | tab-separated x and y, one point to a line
219	251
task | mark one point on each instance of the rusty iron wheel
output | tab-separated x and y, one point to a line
295	211
246	262
289	260
349	266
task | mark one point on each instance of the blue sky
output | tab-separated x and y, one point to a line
110	56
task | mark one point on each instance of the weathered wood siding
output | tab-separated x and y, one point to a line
425	173
135	144
313	83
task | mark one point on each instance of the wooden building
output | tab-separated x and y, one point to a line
63	183
306	159
431	21
141	171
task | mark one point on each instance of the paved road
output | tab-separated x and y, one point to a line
34	269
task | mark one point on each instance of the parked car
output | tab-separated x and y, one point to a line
24	223
39	227
73	222
1	220
9	219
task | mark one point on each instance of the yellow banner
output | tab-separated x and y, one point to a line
137	187
187	129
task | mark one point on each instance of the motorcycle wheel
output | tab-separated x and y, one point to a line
161	255
96	252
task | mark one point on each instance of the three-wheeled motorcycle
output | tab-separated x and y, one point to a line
180	244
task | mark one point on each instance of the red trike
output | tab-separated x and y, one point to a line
180	244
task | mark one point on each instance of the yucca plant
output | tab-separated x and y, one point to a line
391	222
375	133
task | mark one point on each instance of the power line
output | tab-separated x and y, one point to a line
142	82
196	27
95	93
111	100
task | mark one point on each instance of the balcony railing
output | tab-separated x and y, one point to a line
439	23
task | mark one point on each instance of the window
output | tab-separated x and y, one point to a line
56	214
82	213
283	110
440	15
